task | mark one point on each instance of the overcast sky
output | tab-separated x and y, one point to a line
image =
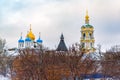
53	17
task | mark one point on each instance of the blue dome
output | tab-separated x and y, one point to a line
39	40
21	40
27	39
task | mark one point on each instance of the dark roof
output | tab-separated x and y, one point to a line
62	46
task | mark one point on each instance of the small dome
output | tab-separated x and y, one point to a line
27	39
87	26
39	40
21	40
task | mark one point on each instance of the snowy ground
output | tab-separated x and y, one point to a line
4	78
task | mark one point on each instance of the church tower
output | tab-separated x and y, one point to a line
87	36
62	45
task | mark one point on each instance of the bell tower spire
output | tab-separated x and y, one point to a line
62	45
87	36
87	18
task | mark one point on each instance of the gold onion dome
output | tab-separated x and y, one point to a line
30	34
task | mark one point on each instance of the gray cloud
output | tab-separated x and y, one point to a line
53	17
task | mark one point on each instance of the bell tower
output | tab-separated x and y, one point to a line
87	36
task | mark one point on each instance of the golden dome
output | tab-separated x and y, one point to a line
30	34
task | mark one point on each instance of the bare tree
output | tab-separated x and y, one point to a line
111	62
3	58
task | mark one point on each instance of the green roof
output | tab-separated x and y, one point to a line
87	26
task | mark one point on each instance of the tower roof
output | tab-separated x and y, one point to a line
28	39
30	34
21	40
39	39
62	46
87	26
62	37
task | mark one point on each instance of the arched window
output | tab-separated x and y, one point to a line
83	45
91	45
90	35
84	35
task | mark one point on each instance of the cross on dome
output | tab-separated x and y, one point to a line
87	18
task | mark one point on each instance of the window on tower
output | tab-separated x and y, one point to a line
91	45
90	35
83	35
83	45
